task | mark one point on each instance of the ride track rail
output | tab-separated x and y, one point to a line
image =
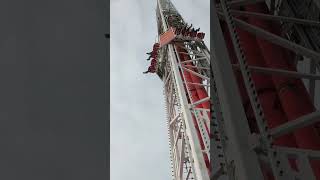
237	115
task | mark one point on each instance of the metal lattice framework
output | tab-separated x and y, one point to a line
241	144
264	153
187	155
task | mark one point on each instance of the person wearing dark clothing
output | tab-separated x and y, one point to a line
184	29
193	33
185	25
176	31
183	32
200	35
150	55
189	33
186	32
180	31
153	62
156	47
188	28
151	69
153	53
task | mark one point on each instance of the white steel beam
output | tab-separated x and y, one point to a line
281	72
238	3
294	152
189	49
183	76
202	109
200	101
174	119
276	39
177	136
200	167
195	67
195	73
312	67
190	53
204	133
197	84
182	158
167	78
205	118
279	164
235	122
201	172
171	98
276	18
193	60
301	122
312	83
305	170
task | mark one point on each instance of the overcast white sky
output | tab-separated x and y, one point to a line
139	141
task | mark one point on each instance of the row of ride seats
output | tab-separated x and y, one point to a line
189	33
154	55
183	30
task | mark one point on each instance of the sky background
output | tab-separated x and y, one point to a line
139	141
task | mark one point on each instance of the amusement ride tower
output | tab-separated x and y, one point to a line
248	112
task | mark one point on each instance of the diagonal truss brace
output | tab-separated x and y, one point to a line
281	72
275	39
301	122
276	18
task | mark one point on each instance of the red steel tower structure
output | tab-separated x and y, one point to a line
248	112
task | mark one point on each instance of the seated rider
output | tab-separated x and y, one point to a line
151	69
153	62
